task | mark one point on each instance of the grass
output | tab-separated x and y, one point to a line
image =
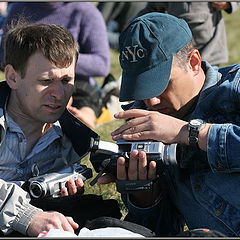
233	36
108	191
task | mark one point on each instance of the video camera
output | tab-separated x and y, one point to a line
50	184
104	157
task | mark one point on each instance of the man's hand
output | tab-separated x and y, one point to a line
138	169
73	187
151	125
84	114
44	221
221	5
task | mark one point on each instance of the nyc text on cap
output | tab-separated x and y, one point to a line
147	47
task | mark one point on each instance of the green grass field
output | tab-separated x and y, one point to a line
233	35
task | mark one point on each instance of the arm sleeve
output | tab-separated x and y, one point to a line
94	58
223	148
224	134
15	210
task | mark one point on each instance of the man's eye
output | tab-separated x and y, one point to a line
46	81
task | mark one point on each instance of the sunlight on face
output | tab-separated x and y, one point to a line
44	91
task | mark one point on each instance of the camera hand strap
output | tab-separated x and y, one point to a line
133	186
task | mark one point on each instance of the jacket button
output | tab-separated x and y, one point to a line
219	210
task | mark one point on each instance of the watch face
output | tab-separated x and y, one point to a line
196	122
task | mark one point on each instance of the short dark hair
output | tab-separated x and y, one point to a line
54	41
182	55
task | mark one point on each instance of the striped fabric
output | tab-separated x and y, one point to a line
15	164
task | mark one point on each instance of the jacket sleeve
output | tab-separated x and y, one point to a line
223	148
224	134
15	210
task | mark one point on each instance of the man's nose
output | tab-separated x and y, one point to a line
152	101
58	90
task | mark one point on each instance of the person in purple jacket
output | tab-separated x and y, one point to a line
87	25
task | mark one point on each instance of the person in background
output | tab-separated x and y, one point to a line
3	12
87	25
117	15
206	23
183	102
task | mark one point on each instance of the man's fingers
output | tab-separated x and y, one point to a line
73	224
133	166
71	186
142	166
121	169
142	135
45	221
132	113
152	170
80	185
137	117
73	110
134	126
64	192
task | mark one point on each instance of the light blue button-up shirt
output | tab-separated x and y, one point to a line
16	165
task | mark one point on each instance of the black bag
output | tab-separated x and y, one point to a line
103	222
80	207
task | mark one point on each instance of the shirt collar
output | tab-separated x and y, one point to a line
212	75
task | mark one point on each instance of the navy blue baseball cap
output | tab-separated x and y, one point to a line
147	47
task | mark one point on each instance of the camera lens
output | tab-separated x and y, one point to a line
169	155
36	190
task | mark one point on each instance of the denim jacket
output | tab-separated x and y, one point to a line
205	192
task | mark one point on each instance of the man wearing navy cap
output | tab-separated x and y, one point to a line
186	102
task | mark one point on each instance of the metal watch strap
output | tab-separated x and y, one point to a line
193	137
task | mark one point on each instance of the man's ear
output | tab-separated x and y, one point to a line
11	76
195	61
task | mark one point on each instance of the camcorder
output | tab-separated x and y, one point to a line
50	184
104	157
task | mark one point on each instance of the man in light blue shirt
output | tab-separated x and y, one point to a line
37	134
39	83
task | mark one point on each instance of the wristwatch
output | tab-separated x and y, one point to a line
194	126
